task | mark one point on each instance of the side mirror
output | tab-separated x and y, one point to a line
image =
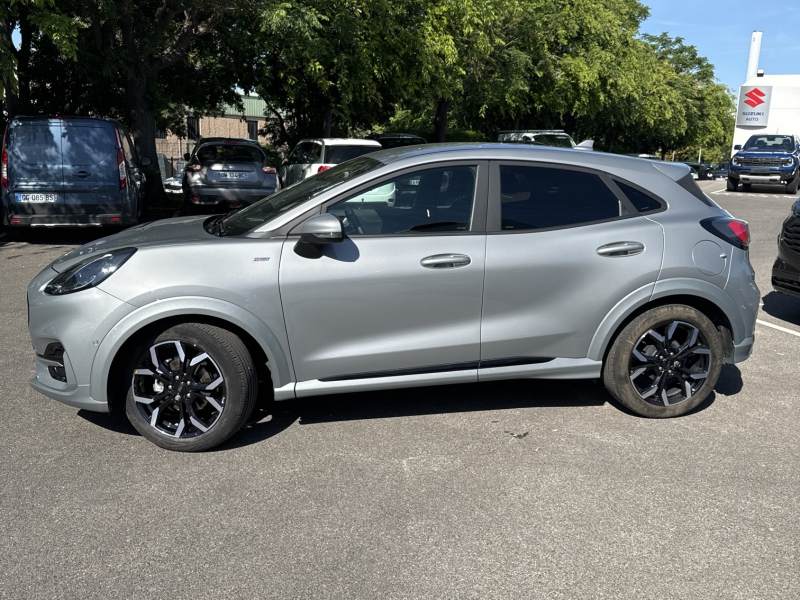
145	161
737	147
322	229
186	156
284	162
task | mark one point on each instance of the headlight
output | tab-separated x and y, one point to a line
735	161
788	162
88	273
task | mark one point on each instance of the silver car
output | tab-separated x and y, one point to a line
490	262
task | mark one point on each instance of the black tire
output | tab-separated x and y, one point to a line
732	185
655	387
791	187
193	411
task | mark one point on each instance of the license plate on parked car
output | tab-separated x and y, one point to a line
232	175
38	198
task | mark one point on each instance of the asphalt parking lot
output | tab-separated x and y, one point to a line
529	489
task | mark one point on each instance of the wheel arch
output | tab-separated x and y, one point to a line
261	342
703	296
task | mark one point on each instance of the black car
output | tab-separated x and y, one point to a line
224	174
393	140
786	270
704	170
73	171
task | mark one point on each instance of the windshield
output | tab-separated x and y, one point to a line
267	209
769	143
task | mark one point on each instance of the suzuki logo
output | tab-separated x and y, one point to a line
754	97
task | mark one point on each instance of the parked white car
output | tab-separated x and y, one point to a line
312	156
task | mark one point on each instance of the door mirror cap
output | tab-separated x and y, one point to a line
322	229
186	156
737	147
145	161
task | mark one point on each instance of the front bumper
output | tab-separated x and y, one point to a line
768	176
75	324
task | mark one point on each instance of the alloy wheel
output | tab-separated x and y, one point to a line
669	363
179	389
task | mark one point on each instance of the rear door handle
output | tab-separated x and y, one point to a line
445	261
82	174
621	249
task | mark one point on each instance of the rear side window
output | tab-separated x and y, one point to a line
36	144
86	145
542	197
643	202
687	183
338	154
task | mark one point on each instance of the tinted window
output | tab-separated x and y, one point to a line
127	147
338	154
267	209
210	153
308	153
537	197
86	146
428	201
640	200
36	144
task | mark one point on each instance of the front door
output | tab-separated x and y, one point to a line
564	246
402	293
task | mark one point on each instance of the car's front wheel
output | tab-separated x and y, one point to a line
665	362
191	387
732	185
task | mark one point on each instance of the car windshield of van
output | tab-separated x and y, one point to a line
770	143
269	208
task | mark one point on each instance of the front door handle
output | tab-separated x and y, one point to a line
621	249
445	261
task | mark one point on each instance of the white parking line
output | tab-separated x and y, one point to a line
778	327
718	191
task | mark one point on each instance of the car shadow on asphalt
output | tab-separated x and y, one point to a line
782	306
56	237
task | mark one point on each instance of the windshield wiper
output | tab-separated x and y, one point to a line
218	224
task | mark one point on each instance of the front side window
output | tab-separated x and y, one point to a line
544	197
427	201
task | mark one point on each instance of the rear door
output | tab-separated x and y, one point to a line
35	166
91	172
563	248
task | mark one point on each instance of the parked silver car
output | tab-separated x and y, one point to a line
491	262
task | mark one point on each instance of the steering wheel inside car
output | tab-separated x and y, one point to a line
352	219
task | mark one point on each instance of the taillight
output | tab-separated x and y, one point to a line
733	231
323	168
268	170
4	173
123	177
4	178
194	168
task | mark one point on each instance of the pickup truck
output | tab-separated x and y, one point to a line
769	159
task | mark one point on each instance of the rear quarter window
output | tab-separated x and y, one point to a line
335	155
641	201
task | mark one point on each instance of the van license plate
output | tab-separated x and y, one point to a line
37	198
232	175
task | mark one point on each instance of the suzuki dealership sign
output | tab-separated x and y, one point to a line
753	107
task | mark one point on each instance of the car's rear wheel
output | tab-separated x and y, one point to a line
665	362
191	387
732	185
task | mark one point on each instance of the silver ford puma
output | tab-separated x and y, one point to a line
406	267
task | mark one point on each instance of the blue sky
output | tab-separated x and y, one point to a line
720	30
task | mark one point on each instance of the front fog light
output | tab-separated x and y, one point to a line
88	273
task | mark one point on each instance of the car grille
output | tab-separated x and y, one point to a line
786	284
791	236
760	162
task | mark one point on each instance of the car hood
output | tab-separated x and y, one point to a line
764	154
180	230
